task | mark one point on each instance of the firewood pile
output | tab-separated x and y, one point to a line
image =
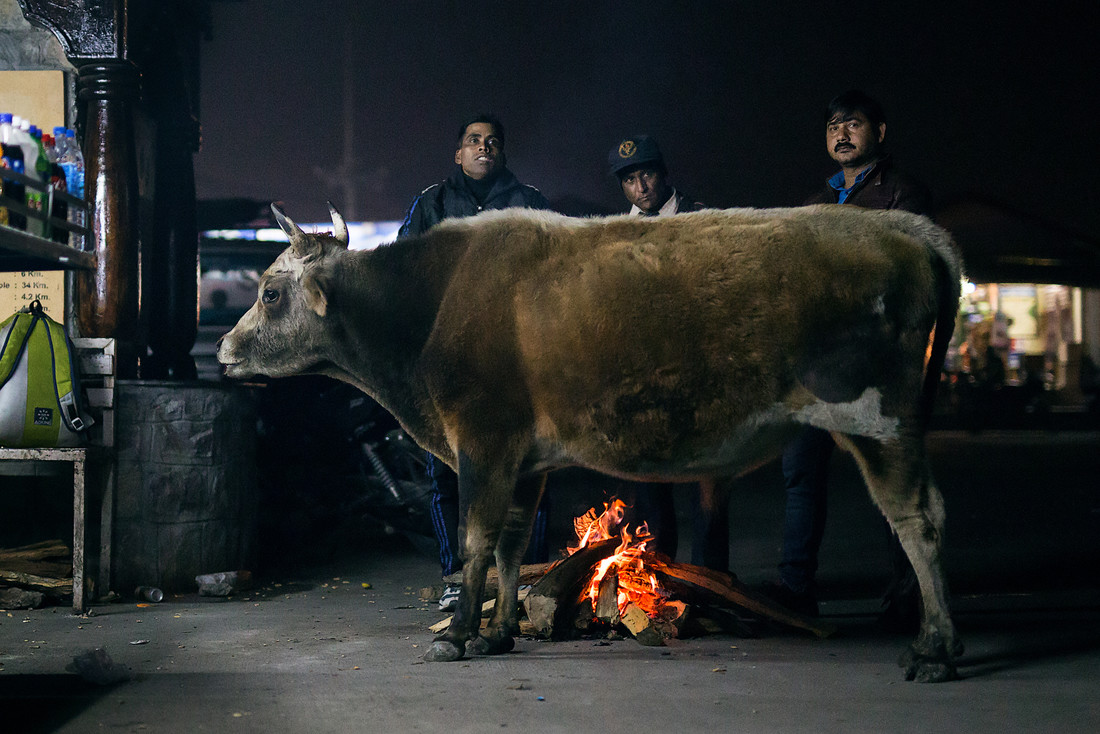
610	585
31	574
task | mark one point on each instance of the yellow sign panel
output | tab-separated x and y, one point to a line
20	288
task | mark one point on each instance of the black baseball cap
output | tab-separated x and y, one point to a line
633	152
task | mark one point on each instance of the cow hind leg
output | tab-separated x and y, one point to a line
485	497
499	636
900	483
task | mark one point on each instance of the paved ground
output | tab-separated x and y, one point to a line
312	650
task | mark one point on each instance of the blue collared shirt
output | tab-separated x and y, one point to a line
837	182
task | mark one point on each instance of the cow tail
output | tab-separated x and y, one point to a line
947	297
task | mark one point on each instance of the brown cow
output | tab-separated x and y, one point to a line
669	349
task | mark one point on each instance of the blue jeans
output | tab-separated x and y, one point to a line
805	474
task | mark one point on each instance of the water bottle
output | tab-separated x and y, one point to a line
72	160
60	209
76	158
11	159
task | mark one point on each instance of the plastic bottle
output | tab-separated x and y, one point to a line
42	169
75	157
12	159
60	209
72	160
34	198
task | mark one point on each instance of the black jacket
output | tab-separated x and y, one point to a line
453	199
882	188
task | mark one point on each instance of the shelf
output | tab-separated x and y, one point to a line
22	251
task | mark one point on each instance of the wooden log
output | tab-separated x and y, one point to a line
528	574
53	587
486	611
641	626
674	576
551	604
671	618
45	550
607	604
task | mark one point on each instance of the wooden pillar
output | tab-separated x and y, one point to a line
107	300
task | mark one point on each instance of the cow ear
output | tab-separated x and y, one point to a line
339	226
316	288
302	244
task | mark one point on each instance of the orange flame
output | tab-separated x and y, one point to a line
637	585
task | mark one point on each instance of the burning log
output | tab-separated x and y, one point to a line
553	597
607	606
671	618
681	577
611	579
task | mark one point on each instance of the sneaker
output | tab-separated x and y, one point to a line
804	603
449	600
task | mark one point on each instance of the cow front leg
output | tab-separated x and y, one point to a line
499	636
484	498
900	482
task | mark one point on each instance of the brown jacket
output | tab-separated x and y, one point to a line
882	188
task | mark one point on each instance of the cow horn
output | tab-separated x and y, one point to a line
293	231
339	226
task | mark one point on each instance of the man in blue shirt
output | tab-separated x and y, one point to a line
855	128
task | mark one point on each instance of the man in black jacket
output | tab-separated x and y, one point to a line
481	180
855	128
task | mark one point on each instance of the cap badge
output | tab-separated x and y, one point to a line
627	149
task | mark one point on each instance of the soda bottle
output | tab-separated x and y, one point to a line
34	198
42	169
60	209
12	159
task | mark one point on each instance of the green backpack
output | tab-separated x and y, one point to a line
39	389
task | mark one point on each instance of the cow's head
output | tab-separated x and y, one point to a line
284	332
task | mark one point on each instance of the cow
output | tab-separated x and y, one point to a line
684	348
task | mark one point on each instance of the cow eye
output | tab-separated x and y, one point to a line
269	296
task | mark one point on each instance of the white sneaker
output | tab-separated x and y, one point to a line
449	600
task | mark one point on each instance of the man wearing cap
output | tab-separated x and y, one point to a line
480	180
640	168
643	176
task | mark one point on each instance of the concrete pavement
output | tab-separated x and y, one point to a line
321	653
313	650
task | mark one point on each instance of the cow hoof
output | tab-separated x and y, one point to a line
485	646
923	669
443	651
931	671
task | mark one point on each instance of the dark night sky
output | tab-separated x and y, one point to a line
995	103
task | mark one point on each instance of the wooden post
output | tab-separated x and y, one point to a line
107	300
